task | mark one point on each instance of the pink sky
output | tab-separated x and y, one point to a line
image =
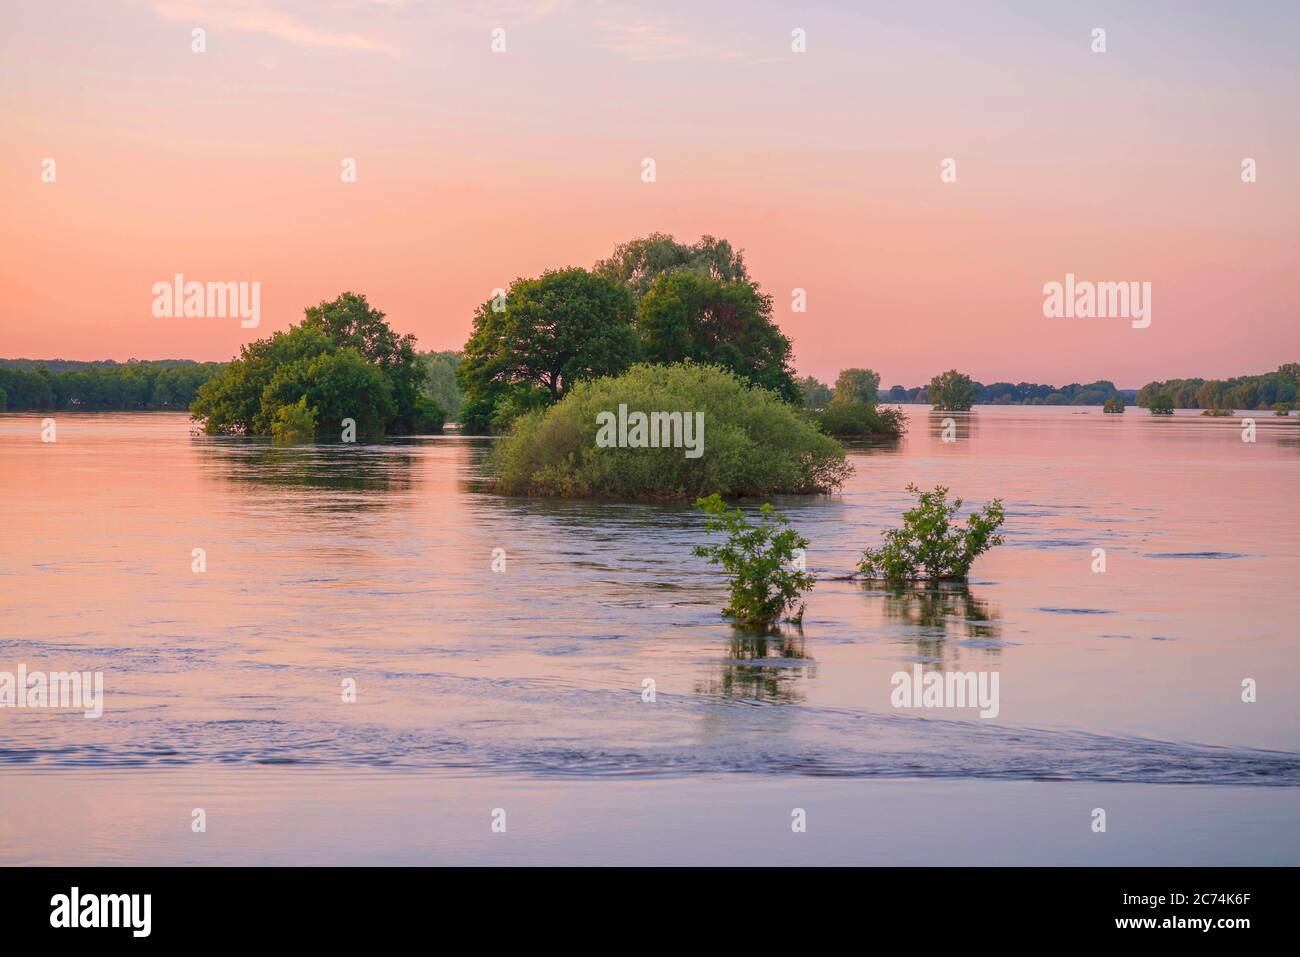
475	168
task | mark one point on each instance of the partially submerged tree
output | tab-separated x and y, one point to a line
930	546
952	391
763	562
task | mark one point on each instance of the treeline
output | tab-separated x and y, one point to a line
1265	391
1022	393
64	385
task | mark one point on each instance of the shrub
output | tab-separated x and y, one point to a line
751	443
1163	404
1114	404
857	420
766	578
1279	408
294	422
952	391
929	546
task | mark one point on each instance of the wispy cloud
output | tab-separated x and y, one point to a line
258	16
641	36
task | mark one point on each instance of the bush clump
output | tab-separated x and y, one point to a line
743	441
929	546
763	562
859	420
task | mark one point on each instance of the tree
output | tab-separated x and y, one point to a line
1114	404
953	392
930	546
640	262
815	394
564	326
688	315
343	359
440	381
858	385
349	320
1162	404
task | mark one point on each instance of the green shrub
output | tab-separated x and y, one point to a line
1114	404
752	442
929	546
1279	408
294	422
858	420
763	562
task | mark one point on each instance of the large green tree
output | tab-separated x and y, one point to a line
343	361
689	315
551	332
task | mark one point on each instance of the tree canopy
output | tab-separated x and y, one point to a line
342	361
952	391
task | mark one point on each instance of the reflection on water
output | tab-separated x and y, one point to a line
763	665
952	426
330	467
934	612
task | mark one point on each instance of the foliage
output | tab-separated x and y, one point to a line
752	443
294	422
1161	404
929	546
952	391
440	381
553	331
102	386
763	562
1243	392
815	393
858	385
1114	404
688	315
638	263
1279	408
857	420
343	358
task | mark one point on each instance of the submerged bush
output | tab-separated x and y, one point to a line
858	420
1115	404
710	431
763	562
929	546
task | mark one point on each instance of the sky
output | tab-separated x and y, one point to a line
476	167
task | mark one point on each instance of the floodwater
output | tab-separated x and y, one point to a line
504	642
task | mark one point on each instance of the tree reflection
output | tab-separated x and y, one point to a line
763	665
325	467
931	613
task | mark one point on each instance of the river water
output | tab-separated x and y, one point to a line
333	566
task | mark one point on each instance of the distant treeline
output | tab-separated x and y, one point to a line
1244	392
28	385
1023	393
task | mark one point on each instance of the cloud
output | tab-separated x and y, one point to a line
640	36
257	16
